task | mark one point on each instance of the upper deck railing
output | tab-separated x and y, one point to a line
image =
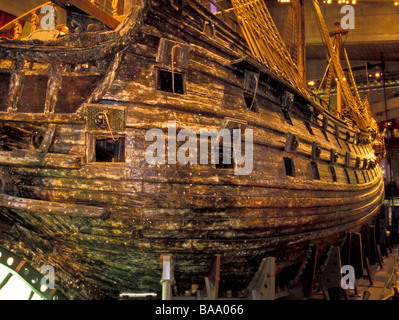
109	12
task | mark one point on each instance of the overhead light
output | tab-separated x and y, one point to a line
311	83
396	3
338	1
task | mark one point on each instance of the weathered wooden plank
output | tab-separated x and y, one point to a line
50	207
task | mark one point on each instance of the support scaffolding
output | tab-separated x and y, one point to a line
316	274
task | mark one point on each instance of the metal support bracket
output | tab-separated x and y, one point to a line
262	286
167	276
329	276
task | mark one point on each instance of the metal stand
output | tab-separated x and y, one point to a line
262	286
329	277
167	276
352	252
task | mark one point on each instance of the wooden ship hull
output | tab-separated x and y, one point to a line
77	192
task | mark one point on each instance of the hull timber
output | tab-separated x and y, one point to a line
104	225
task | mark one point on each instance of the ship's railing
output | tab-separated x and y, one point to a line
115	8
110	12
326	106
226	14
42	88
18	29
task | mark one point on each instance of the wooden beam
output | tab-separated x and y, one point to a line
356	254
309	274
213	278
50	207
95	12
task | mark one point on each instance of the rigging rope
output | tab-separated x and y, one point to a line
173	66
256	89
109	126
351	105
268	47
266	43
328	71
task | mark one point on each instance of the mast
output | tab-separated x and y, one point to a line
301	53
337	34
